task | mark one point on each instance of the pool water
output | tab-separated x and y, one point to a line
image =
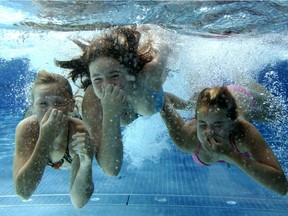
219	42
174	185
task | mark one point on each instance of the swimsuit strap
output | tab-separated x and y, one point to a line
197	149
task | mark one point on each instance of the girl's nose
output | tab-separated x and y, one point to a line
106	82
209	131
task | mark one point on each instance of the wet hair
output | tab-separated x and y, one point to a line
219	97
44	77
120	43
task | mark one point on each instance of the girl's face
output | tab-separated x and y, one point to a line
107	70
50	96
212	121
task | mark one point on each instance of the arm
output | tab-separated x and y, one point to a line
263	167
178	103
183	134
33	149
81	182
30	159
103	125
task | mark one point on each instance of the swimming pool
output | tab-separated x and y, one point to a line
156	178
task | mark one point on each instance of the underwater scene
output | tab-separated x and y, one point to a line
152	168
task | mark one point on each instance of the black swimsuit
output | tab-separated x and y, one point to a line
67	157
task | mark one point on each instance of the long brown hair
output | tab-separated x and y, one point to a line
120	43
220	97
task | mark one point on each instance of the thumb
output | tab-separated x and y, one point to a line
46	116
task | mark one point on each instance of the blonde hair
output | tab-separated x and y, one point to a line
44	77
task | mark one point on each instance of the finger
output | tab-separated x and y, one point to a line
207	145
119	94
53	115
80	148
108	89
101	92
59	115
123	98
46	116
76	135
211	140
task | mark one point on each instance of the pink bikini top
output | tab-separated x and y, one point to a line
235	149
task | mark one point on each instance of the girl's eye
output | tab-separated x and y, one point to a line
202	126
218	125
42	104
59	103
115	76
97	80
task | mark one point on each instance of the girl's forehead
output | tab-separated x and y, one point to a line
55	89
105	65
211	110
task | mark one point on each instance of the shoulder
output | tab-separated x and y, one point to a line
27	132
191	127
28	124
244	127
247	134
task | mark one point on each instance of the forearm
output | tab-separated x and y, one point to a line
265	175
178	103
28	177
82	185
110	151
174	124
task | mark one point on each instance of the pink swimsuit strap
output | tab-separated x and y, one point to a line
196	157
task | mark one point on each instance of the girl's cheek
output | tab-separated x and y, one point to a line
200	135
97	89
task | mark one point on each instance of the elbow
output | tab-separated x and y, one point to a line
23	194
111	168
80	200
285	191
181	145
111	172
78	204
281	186
22	190
282	192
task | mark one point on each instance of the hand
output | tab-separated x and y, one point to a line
82	146
217	145
112	98
54	127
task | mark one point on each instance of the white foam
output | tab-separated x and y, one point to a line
144	140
